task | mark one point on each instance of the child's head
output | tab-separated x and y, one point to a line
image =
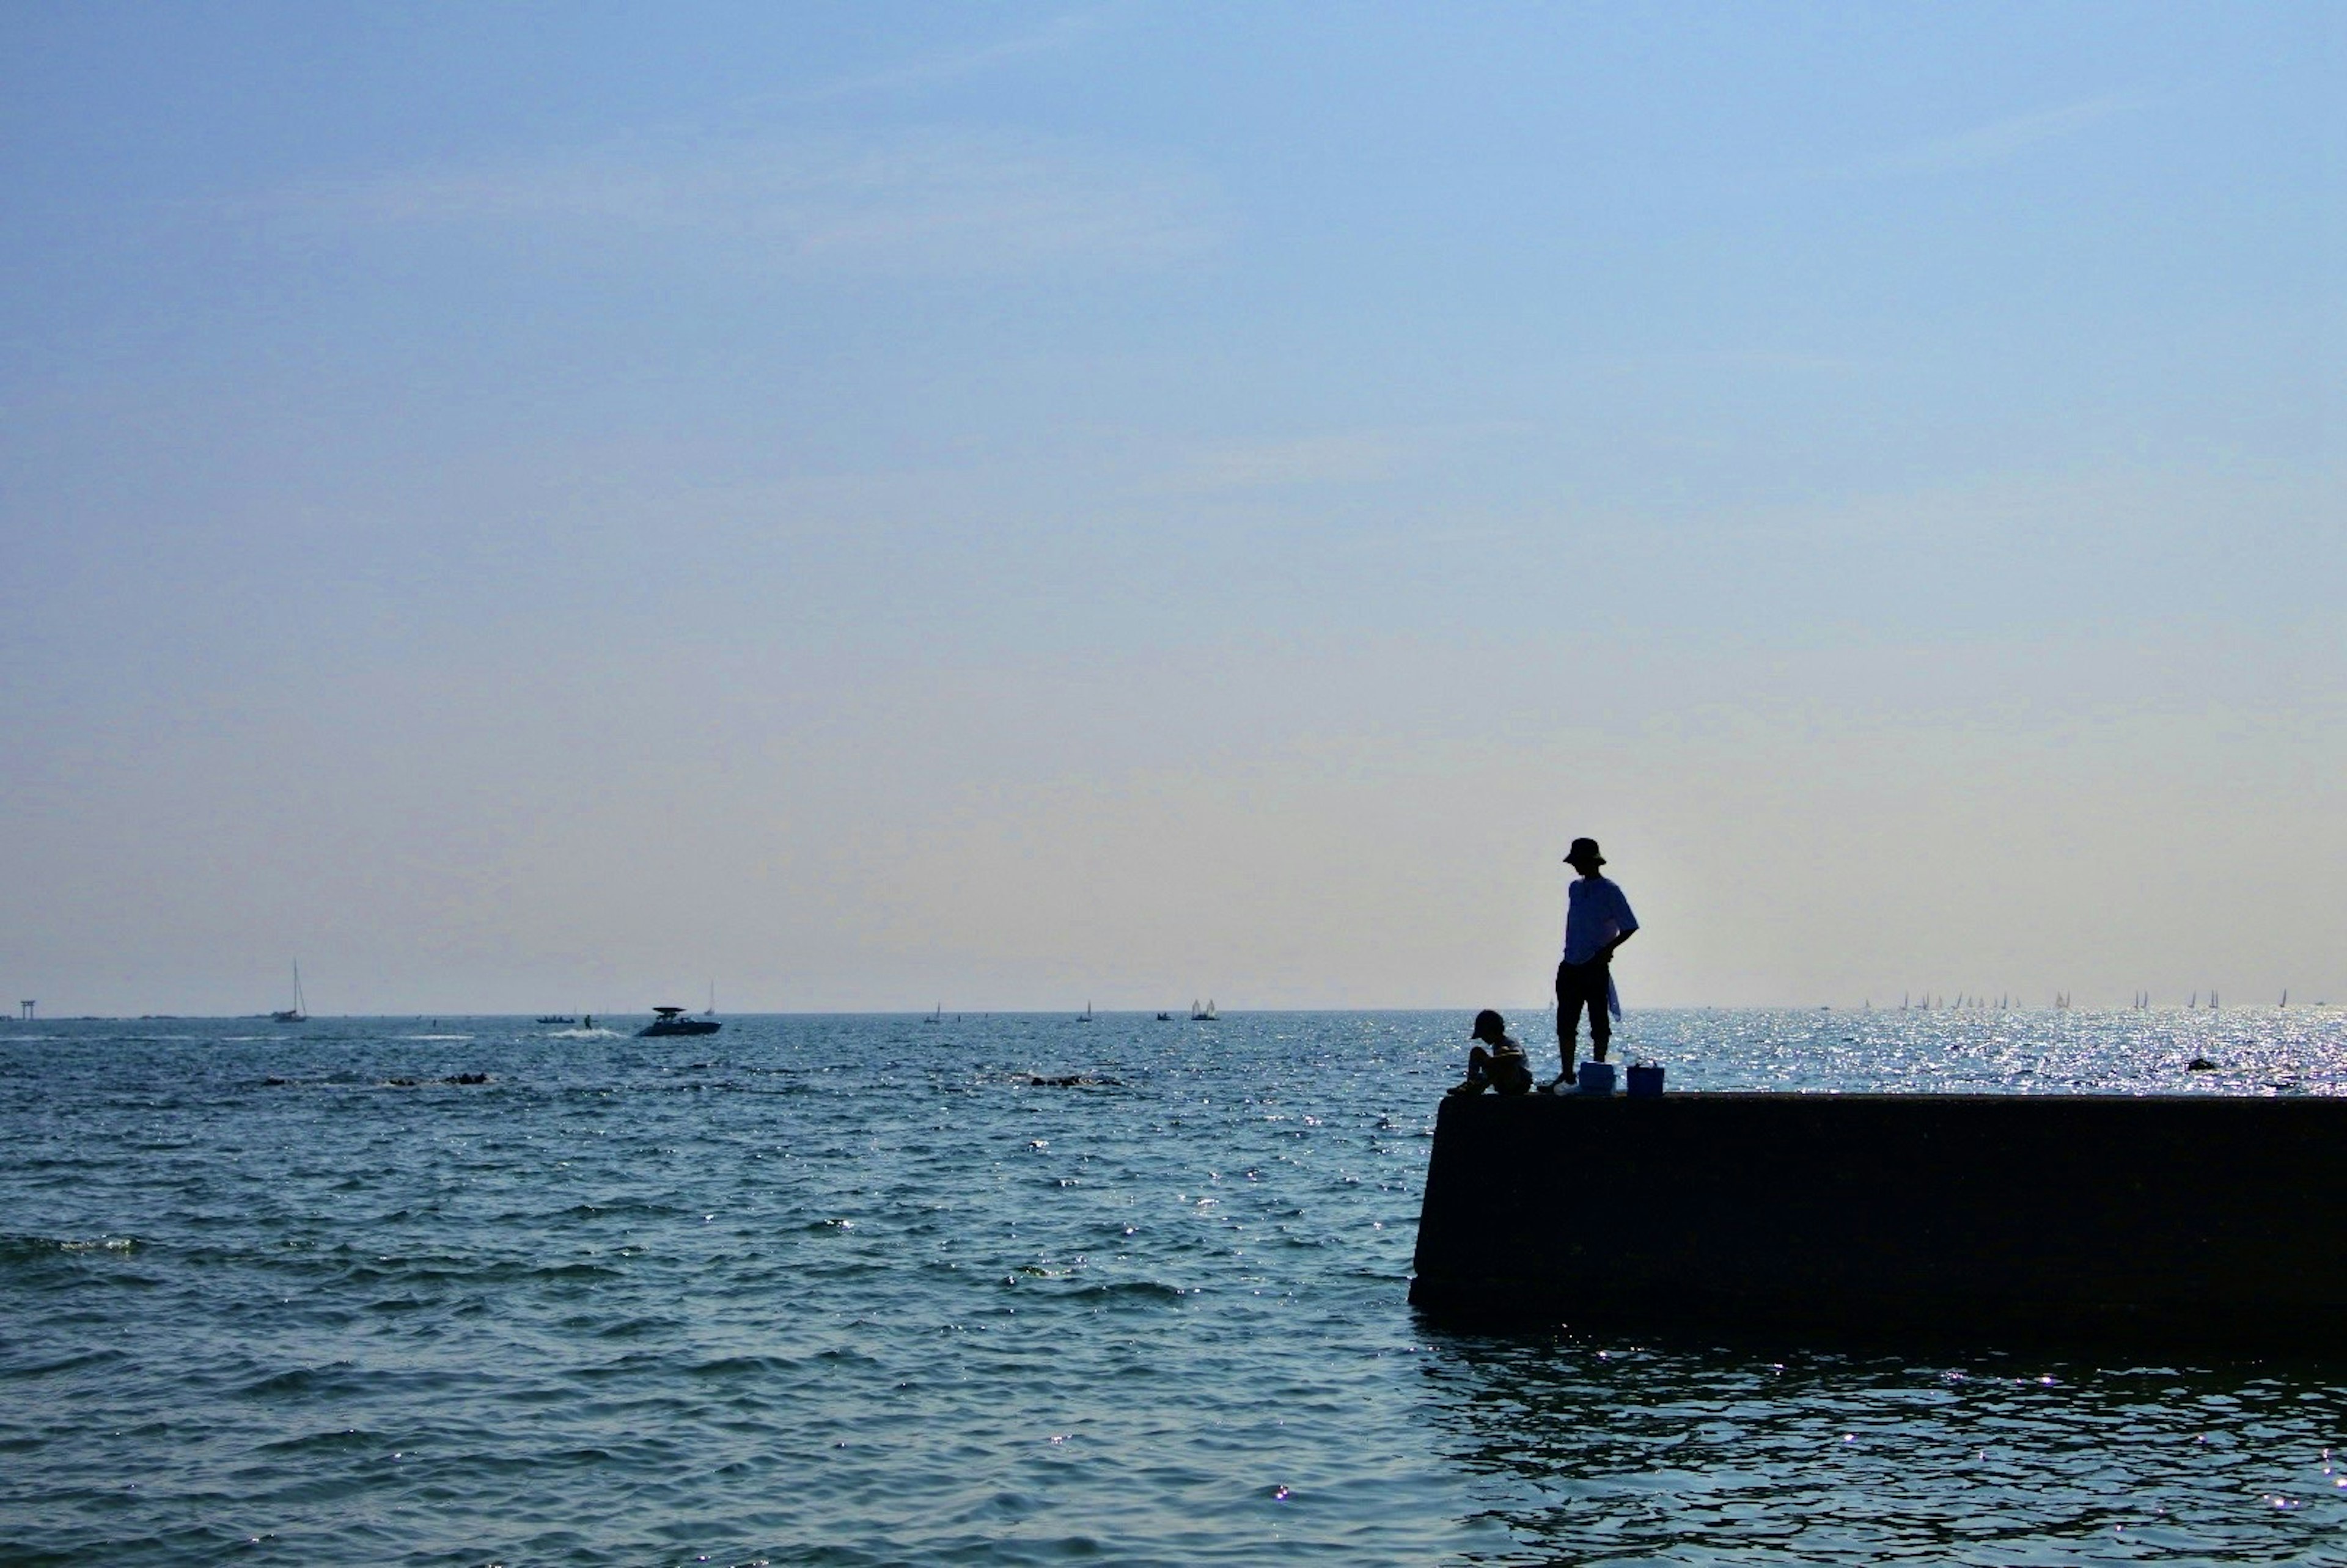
1489	1025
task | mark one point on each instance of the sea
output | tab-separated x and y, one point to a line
1016	1289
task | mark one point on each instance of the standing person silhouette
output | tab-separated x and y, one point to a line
1597	920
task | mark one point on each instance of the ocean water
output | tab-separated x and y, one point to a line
861	1290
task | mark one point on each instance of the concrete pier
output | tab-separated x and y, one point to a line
2183	1219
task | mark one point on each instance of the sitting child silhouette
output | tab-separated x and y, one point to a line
1500	1066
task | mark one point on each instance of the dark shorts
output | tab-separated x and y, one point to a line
1579	985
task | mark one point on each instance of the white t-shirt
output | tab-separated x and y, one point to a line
1596	913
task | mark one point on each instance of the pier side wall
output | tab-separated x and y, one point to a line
2172	1218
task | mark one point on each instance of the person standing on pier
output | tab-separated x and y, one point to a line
1597	921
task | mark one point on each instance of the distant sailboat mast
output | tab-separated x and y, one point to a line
300	1011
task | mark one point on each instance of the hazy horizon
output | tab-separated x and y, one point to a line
1529	1019
1040	504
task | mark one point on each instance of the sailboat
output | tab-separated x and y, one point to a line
1204	1014
1085	1016
300	1011
937	1017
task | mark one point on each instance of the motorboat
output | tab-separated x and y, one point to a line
675	1021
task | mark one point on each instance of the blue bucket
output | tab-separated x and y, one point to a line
1646	1081
1595	1077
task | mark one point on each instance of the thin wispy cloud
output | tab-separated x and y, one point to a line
1061	33
919	199
1999	141
746	184
1353	458
1358	457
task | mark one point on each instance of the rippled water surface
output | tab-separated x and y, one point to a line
862	1290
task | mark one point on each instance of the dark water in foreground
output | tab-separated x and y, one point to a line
853	1290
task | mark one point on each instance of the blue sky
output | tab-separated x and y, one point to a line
533	506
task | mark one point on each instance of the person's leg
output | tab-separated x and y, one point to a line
1601	1018
1568	1017
1479	1071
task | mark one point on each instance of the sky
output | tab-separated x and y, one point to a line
530	508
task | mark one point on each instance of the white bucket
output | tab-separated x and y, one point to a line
1594	1077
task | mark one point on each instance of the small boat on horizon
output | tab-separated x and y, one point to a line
300	1011
1204	1014
675	1021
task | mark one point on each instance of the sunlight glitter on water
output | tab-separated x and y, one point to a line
740	1300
